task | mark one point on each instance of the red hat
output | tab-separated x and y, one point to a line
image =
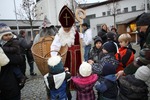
66	17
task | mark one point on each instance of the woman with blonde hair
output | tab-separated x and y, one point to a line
102	32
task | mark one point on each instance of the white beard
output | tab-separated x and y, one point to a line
67	38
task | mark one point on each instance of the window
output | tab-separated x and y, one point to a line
88	17
133	8
148	6
108	13
125	10
118	11
104	13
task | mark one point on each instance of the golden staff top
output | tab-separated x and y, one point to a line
80	15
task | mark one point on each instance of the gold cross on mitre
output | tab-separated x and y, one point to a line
66	17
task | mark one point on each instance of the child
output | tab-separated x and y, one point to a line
143	73
133	87
95	54
126	53
109	49
11	48
56	79
107	84
142	59
84	82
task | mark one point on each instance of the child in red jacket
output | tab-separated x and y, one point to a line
126	52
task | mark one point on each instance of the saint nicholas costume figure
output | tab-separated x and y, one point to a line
67	35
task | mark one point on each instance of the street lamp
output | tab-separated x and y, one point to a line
16	16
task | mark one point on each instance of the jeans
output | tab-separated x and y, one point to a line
31	64
87	49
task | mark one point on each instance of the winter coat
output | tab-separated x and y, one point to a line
102	34
108	58
23	44
132	88
84	87
95	54
57	84
107	86
8	84
125	57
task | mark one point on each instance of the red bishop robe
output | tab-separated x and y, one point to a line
73	59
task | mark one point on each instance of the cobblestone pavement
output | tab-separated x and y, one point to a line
34	88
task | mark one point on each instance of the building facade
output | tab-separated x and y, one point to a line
103	12
51	9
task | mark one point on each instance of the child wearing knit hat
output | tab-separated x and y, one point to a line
109	49
57	78
143	73
11	77
96	52
107	84
84	82
134	87
10	46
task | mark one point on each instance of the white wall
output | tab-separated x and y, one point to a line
121	5
109	20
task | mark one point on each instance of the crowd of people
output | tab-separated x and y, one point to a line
110	67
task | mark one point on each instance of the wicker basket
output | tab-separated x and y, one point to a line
41	53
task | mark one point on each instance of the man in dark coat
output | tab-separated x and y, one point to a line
143	21
24	46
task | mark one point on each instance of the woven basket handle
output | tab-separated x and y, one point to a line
52	51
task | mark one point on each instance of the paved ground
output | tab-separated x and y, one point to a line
35	89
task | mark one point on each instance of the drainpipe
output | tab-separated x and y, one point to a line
146	6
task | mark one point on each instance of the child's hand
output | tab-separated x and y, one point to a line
90	62
66	69
120	73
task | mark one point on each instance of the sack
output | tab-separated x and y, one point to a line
4	60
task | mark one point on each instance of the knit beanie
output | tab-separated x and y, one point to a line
110	36
55	65
110	47
145	55
4	29
143	73
85	69
108	69
97	39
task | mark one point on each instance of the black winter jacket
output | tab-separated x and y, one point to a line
132	88
102	34
8	83
24	45
95	54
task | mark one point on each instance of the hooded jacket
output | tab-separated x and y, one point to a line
107	86
84	87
